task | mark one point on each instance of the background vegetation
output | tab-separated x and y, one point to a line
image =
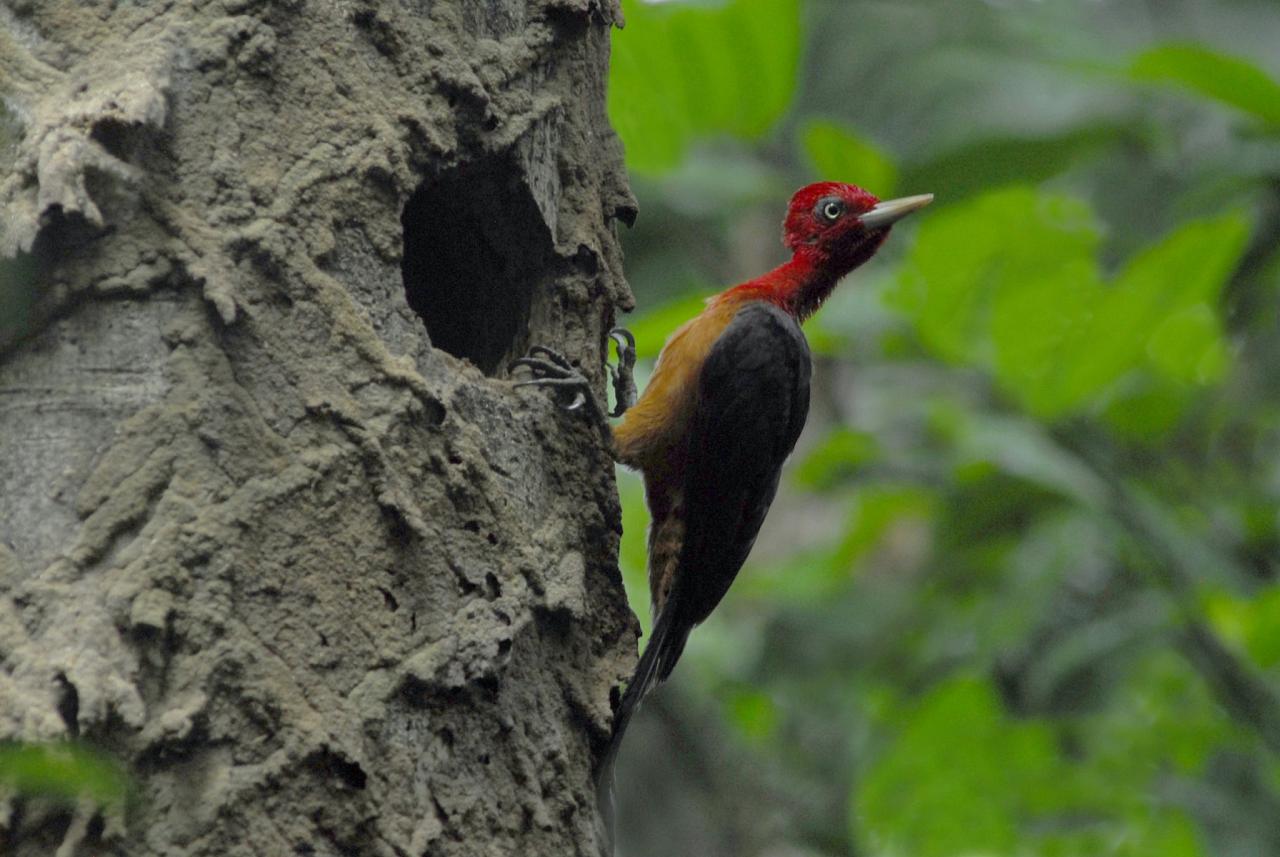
1020	593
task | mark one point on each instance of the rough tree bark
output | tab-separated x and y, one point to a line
313	569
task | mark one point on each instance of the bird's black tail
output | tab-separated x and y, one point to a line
666	644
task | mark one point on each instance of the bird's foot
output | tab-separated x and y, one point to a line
552	369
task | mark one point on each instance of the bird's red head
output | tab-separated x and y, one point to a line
825	215
831	228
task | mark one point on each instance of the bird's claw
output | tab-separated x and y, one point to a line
554	356
553	369
622	376
550	368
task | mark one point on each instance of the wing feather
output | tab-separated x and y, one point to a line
753	398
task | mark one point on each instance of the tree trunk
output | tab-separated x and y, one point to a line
278	532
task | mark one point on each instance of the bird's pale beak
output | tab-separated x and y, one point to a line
890	212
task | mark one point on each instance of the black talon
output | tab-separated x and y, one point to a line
541	368
624	383
624	338
577	384
557	372
553	382
554	356
550	368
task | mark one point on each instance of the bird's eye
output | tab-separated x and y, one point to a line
831	210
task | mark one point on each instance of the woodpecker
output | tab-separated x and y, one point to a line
721	413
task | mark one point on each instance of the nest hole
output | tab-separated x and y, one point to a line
476	248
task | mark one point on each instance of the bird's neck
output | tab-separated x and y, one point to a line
798	286
801	285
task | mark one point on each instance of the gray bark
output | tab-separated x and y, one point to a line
315	571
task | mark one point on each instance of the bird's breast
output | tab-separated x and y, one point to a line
651	432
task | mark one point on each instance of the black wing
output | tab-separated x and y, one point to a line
753	398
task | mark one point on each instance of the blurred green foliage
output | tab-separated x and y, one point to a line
1020	593
839	155
963	771
1039	317
62	772
1228	79
693	70
1251	624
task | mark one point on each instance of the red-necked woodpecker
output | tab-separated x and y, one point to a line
722	411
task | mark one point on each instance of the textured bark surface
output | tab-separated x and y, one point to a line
326	588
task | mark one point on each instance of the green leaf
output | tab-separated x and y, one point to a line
1010	282
877	509
993	162
837	154
963	777
957	779
753	712
1251	624
1224	78
1185	271
1187	346
839	456
1145	409
681	72
964	266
